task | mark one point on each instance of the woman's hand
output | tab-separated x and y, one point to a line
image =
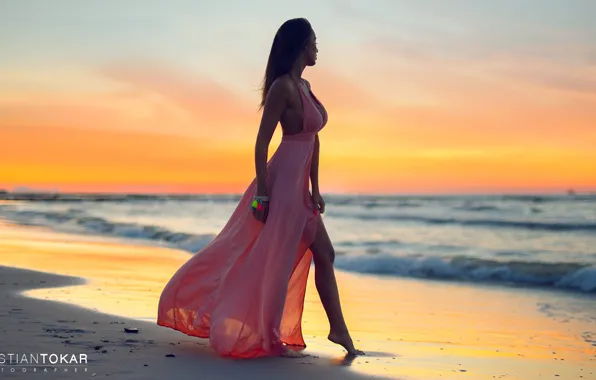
261	215
319	201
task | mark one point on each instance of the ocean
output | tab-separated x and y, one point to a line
533	241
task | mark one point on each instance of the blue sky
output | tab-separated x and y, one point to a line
229	40
204	34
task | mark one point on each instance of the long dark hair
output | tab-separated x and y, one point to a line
290	40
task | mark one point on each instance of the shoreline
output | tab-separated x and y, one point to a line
410	329
566	277
33	323
68	329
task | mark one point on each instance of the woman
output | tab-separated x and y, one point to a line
245	289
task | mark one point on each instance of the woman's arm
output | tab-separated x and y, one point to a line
314	167
275	103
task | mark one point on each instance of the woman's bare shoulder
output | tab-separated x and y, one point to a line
280	92
281	85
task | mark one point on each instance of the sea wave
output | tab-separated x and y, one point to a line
77	221
478	208
492	223
572	276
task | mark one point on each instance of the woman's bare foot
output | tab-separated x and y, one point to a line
289	353
344	340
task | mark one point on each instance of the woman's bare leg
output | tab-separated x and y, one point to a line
324	257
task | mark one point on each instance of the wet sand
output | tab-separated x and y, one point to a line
75	294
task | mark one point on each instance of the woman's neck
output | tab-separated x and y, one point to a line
297	70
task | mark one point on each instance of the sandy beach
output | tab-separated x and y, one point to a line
437	155
74	294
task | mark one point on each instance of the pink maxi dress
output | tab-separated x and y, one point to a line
245	289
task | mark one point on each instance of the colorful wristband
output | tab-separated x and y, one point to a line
257	204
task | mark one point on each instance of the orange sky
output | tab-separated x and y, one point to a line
404	118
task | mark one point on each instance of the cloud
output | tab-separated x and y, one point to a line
565	81
137	96
340	92
212	107
443	105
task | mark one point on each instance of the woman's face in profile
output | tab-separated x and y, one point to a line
311	50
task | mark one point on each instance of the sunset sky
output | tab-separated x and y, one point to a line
423	96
